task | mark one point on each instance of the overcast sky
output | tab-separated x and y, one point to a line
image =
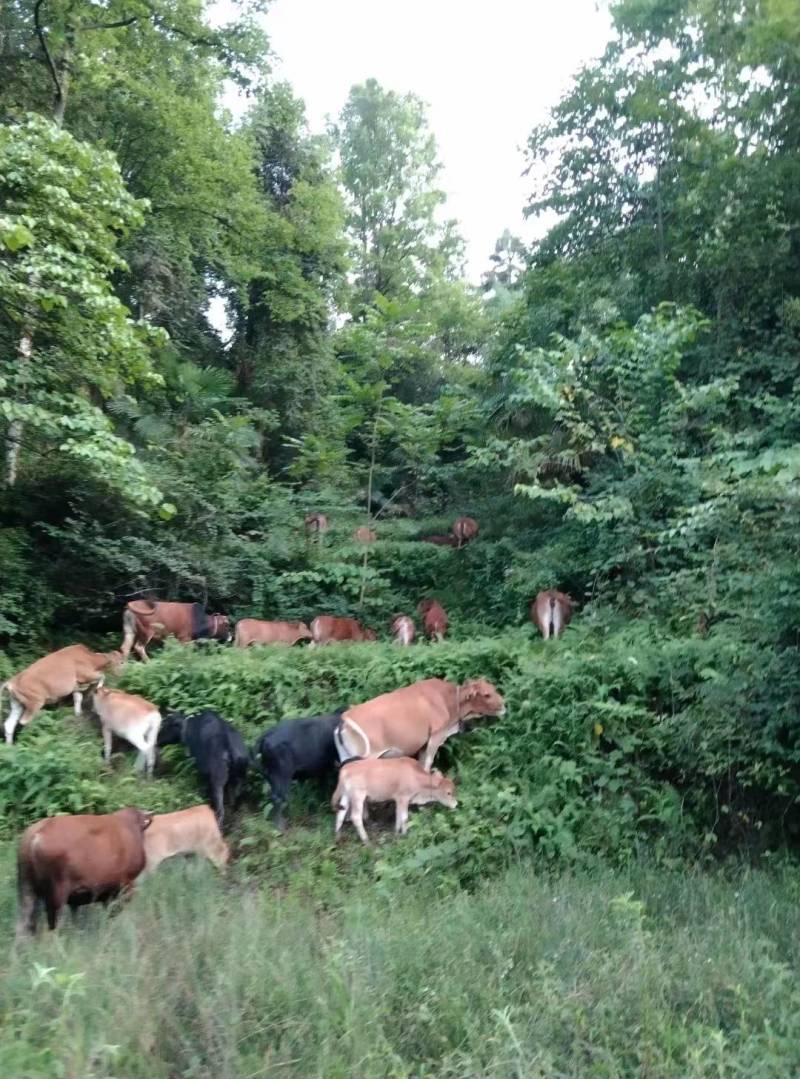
488	70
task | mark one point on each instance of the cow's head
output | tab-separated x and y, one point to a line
445	789
303	633
114	659
139	820
172	729
425	605
479	698
220	628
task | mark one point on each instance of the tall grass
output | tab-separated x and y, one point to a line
599	974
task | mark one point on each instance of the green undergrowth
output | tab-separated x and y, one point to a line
617	741
597	972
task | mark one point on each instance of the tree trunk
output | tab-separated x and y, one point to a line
370	477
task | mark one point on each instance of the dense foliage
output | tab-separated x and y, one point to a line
617	407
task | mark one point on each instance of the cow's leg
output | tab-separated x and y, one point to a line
29	905
140	651
216	786
54	903
401	817
108	741
77	702
357	816
341	813
435	742
12	719
558	622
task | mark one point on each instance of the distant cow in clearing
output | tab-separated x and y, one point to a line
189	831
551	611
301	748
434	618
365	535
330	629
78	859
131	717
440	541
154	620
465	529
316	524
415	720
218	750
70	671
402	780
403	630
257	631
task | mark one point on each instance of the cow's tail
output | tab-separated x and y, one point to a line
347	721
4	689
129	627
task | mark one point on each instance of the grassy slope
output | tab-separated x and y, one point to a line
608	974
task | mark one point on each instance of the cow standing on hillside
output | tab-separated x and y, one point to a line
403	630
465	529
330	629
189	831
365	535
257	631
70	671
434	618
154	620
131	717
551	611
78	859
316	524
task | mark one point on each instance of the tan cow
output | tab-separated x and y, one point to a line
129	717
68	672
434	618
415	720
189	831
147	620
365	535
78	859
403	629
551	611
329	629
257	631
402	780
465	529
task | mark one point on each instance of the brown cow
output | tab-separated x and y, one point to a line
464	530
256	631
402	780
440	541
327	628
434	618
189	831
551	611
132	718
76	860
68	672
415	720
147	620
316	525
403	629
365	535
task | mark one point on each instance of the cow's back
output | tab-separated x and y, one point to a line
162	618
53	677
83	851
404	718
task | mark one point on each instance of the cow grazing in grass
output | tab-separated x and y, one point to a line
329	629
401	780
189	831
434	618
465	529
218	750
131	717
551	611
68	672
78	859
296	749
403	630
154	620
415	720
365	535
256	631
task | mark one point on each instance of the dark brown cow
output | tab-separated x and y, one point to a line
76	860
434	618
153	620
551	612
256	631
403	629
365	535
327	628
415	720
68	672
464	530
440	541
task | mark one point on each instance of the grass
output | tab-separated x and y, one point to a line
643	972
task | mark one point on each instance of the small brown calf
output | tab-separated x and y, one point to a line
129	717
189	831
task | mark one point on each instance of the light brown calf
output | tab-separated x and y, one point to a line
189	831
257	631
401	780
328	628
129	717
68	672
551	611
403	629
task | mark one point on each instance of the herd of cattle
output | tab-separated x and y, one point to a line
382	749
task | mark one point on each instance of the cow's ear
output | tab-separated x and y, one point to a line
436	772
147	820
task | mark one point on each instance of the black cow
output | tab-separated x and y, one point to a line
296	749
219	752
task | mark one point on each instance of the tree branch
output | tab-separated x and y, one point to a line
110	25
43	42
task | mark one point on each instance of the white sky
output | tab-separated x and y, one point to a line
488	70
